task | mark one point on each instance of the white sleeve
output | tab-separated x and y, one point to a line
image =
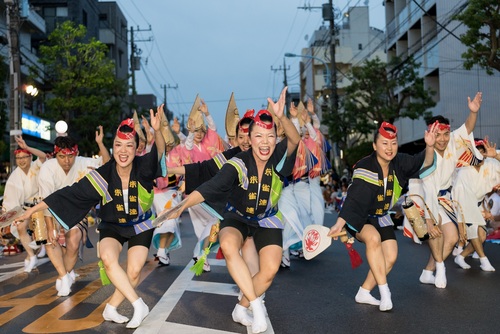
211	123
182	137
312	131
315	121
295	122
189	141
13	192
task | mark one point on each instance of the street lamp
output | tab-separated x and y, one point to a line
328	73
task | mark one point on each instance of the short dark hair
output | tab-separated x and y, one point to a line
439	118
127	129
243	121
64	142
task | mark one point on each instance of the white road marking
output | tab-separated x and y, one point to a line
155	321
9	274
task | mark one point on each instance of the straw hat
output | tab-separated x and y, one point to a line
137	127
166	131
196	115
232	117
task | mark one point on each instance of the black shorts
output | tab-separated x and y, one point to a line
386	232
262	237
141	239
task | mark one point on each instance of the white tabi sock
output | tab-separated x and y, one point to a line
141	310
31	264
364	297
485	264
427	277
385	298
460	260
259	323
65	288
111	314
440	275
241	316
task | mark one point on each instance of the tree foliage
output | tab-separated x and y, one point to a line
379	92
81	83
482	17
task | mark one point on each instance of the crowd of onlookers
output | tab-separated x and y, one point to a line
334	189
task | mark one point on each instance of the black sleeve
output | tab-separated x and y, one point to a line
200	172
289	161
218	189
410	166
72	203
359	199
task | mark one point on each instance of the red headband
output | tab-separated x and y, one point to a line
441	126
73	150
261	123
248	115
126	135
388	130
21	150
479	142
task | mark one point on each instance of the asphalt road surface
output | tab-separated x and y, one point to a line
315	296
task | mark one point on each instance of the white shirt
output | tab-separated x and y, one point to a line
21	187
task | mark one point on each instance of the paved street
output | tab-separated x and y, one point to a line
314	296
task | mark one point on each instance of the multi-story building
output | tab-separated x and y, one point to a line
355	42
24	22
104	21
427	31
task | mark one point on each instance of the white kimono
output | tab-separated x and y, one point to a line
52	177
469	188
20	187
441	178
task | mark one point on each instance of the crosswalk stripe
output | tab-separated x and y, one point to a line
155	321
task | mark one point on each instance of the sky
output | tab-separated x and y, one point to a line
214	48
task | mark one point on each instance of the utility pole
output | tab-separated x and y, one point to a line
329	14
15	116
285	83
135	60
165	87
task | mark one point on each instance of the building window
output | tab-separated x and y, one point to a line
360	46
62	11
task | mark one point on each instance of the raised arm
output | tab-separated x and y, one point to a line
22	144
292	135
474	106
99	137
430	140
156	124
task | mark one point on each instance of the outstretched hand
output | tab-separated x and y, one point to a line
431	134
99	135
279	106
490	148
156	118
310	106
203	108
20	142
475	104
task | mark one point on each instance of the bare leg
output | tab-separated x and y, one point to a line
390	251
231	241
25	238
250	255
73	238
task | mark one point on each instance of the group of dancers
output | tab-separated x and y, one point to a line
261	184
